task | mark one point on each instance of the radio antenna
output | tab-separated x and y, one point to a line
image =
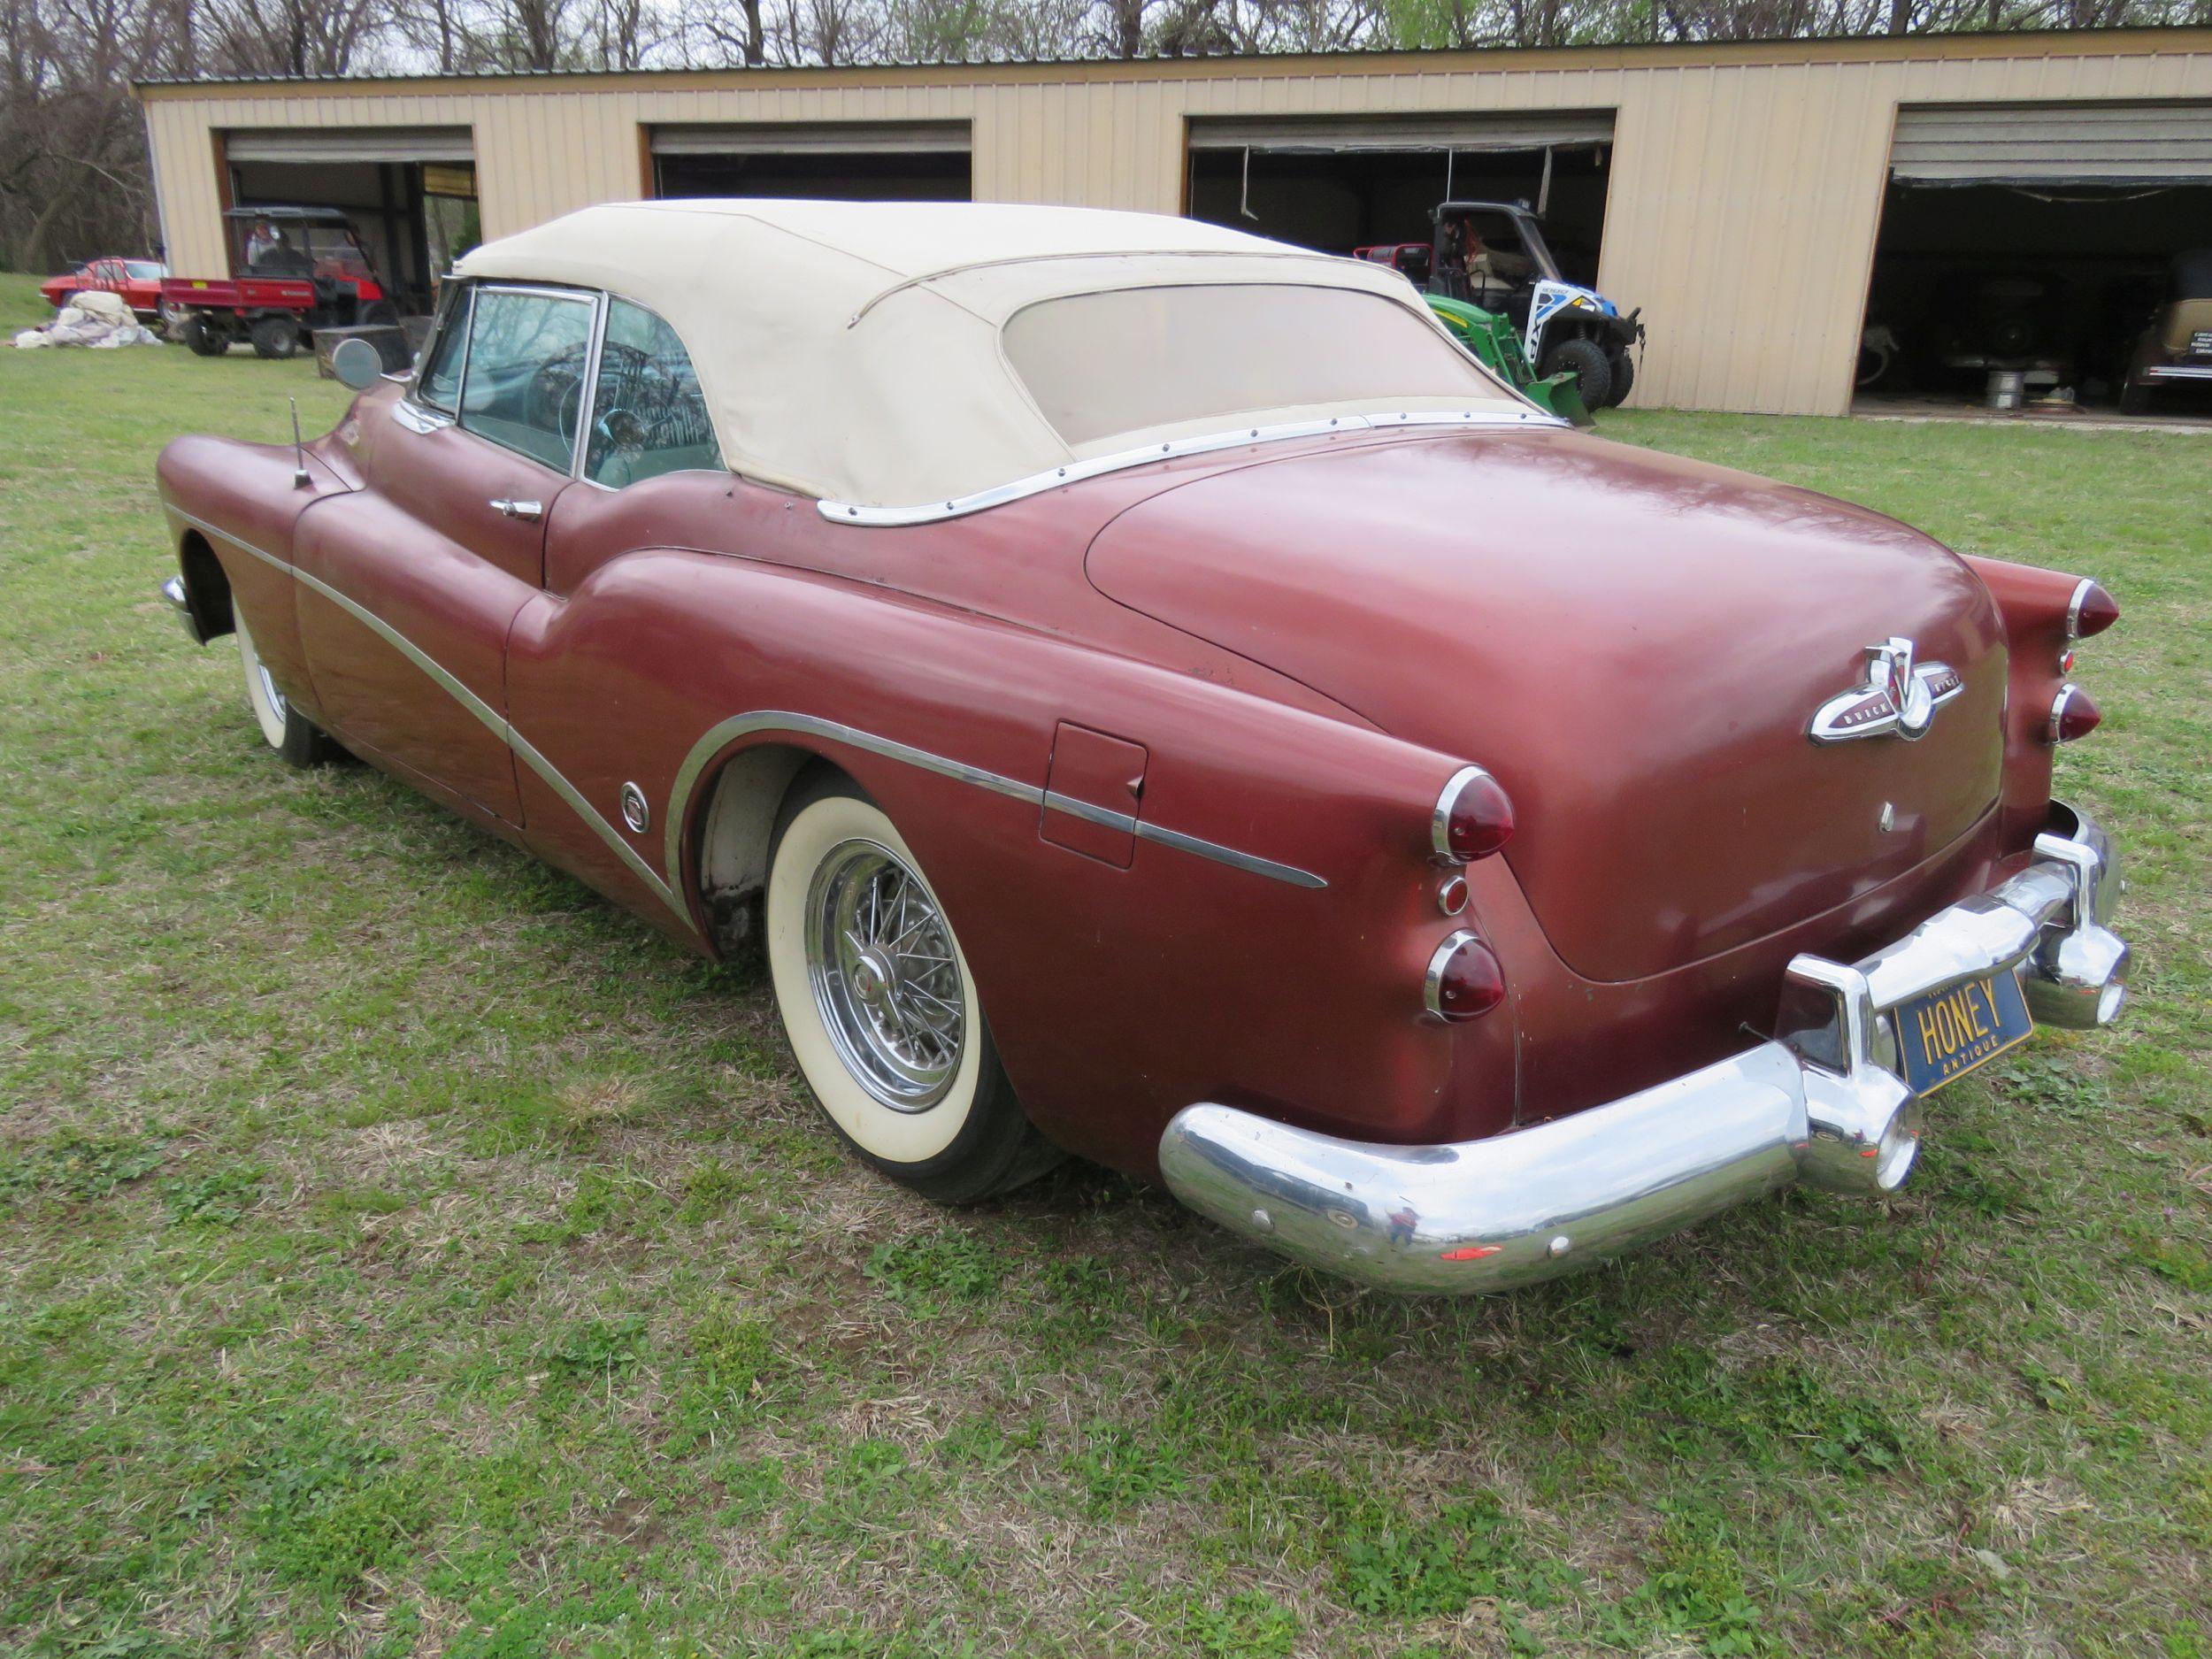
299	478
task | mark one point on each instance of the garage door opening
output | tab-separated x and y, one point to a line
409	193
2025	253
1337	185
884	161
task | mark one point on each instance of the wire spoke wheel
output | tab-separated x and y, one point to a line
885	975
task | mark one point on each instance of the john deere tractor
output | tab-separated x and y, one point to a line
1490	276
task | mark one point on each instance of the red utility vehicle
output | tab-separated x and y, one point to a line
1151	694
295	270
138	281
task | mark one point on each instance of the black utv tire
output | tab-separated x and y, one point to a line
276	337
379	314
1587	361
1622	369
204	337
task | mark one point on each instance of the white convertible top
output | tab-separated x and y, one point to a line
855	351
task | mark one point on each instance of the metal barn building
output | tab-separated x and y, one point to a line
1760	202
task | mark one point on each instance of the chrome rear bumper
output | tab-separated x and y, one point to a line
1823	1101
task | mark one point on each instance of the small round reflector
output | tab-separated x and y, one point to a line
2074	713
2092	611
1473	818
1465	980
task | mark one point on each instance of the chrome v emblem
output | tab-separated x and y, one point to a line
1895	697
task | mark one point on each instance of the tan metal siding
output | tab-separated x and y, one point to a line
1746	188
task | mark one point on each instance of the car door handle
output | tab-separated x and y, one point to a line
529	510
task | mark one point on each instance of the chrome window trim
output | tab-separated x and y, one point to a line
591	298
1174	449
608	298
465	306
588	401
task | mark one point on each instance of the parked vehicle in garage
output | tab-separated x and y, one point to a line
294	270
2176	349
1493	254
1488	335
1151	695
136	281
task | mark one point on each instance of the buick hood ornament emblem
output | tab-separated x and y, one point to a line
1895	697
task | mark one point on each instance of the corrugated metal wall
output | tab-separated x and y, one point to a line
1745	189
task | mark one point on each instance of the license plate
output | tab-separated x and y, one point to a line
1946	1034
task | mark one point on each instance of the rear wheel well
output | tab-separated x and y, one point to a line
737	831
206	588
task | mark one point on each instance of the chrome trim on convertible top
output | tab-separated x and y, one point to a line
720	736
498	723
1173	449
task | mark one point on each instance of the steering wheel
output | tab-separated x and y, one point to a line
636	391
556	393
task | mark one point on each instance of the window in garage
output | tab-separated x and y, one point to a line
875	161
2036	240
1342	183
409	192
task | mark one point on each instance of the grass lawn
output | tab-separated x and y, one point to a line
402	1252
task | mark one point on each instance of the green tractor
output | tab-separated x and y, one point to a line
1498	348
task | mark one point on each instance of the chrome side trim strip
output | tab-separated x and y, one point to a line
1076	471
1251	862
720	736
1105	815
498	723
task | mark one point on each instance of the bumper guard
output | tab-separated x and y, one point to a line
1822	1103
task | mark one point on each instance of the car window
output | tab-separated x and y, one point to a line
144	270
647	414
1104	364
439	384
524	384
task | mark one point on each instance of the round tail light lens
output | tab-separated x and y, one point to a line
2074	713
1465	979
1473	818
2092	611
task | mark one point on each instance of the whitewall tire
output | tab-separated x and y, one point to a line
880	1007
289	731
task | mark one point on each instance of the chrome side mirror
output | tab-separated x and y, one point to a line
357	362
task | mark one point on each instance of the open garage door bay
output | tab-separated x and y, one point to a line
408	191
2038	240
1337	183
873	161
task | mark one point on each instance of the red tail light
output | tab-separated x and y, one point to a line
2074	713
2090	610
1465	980
1473	818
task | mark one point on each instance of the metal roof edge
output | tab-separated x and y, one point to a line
2146	39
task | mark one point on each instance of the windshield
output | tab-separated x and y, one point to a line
1100	365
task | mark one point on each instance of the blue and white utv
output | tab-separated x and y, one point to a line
1493	254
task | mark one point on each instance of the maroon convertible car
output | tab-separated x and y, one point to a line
1151	695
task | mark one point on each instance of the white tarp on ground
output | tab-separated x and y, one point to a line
98	320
